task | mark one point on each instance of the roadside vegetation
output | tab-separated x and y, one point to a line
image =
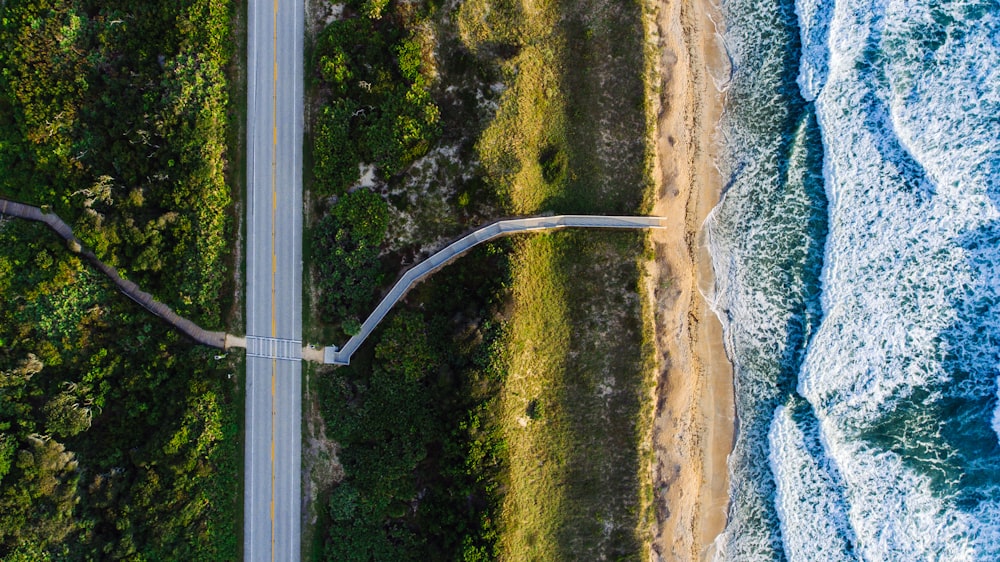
379	111
412	416
118	437
349	240
504	412
114	115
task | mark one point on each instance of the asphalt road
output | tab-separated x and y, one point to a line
272	497
436	261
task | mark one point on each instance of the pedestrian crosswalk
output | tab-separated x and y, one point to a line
274	348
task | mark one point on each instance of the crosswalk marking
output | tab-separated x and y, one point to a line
274	348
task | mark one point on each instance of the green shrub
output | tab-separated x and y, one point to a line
336	158
553	164
347	243
380	110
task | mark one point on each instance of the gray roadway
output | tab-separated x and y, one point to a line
436	261
272	496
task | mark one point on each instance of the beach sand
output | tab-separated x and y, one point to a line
694	418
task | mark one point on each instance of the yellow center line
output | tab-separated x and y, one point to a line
274	255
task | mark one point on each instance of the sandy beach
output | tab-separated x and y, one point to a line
694	416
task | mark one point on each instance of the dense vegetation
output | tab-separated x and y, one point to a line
370	67
505	413
419	449
117	436
575	406
575	409
569	132
348	241
113	113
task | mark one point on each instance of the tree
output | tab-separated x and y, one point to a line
406	124
64	416
404	349
334	151
343	502
348	241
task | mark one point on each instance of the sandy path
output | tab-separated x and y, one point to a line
694	423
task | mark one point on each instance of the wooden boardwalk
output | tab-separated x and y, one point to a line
422	270
330	354
130	289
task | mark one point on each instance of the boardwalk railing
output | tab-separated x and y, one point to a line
131	290
417	273
411	277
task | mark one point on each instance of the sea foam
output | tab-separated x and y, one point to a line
813	514
902	371
996	413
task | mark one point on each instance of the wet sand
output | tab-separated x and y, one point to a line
694	417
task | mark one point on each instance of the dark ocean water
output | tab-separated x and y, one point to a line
857	260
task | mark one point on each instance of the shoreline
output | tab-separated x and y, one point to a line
694	420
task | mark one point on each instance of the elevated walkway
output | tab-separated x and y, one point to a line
130	289
342	356
290	350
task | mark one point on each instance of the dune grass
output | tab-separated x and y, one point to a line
573	405
576	401
569	135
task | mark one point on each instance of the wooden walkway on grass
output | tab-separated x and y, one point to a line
419	272
414	275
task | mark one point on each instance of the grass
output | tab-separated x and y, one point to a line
229	476
533	507
233	291
570	135
312	541
236	171
575	408
238	365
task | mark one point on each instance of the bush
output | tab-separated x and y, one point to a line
381	111
335	155
114	114
406	124
347	242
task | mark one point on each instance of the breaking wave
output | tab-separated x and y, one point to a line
857	259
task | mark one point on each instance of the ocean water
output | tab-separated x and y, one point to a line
857	260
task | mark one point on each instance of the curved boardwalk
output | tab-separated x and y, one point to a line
417	273
131	290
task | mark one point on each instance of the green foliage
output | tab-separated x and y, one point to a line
403	129
336	157
335	70
381	111
385	437
113	113
419	451
553	164
373	8
411	61
64	417
8	446
343	502
347	243
404	348
117	436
